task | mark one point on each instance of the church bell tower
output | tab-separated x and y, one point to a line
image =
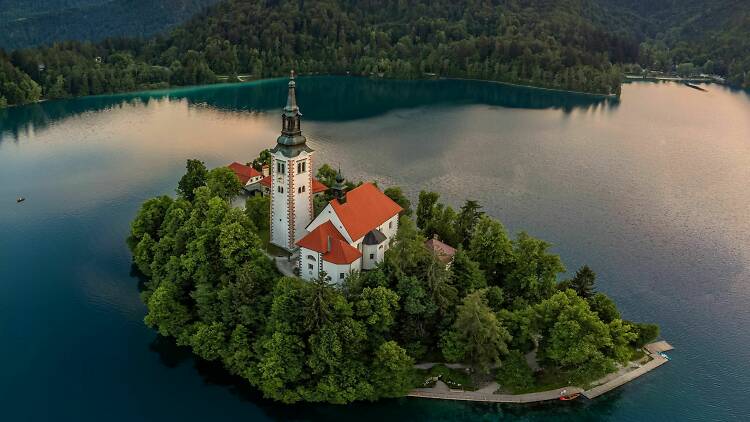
291	177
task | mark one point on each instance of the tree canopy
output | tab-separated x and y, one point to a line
211	287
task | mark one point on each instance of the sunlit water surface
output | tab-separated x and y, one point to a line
652	191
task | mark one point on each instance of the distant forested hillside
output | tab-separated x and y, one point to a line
563	44
692	36
25	23
535	42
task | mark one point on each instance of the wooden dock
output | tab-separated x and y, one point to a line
656	361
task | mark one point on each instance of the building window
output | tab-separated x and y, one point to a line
390	224
341	276
311	257
380	247
281	167
301	166
281	189
372	256
300	189
310	266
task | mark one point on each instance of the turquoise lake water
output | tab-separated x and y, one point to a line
652	190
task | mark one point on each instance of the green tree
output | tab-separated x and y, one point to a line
377	308
491	248
264	159
258	210
166	313
483	336
583	282
223	183
280	368
573	336
466	276
622	336
534	271
426	208
514	374
208	340
397	195
646	333
392	370
466	221
442	225
327	175
195	176
604	307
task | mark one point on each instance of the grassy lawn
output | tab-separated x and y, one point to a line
545	380
265	237
457	379
638	354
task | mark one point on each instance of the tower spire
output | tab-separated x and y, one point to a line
291	130
291	100
339	190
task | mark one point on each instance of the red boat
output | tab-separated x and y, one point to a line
570	397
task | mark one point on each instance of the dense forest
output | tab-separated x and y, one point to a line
211	288
690	37
27	23
577	45
549	45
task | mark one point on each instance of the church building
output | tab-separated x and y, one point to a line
352	232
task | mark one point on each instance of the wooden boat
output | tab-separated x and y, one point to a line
20	199
694	86
570	397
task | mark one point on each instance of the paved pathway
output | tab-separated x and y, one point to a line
283	264
484	396
656	361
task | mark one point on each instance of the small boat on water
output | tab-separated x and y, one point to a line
20	199
694	86
664	355
570	397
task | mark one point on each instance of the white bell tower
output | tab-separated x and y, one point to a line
291	178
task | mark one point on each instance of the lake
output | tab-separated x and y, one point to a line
652	190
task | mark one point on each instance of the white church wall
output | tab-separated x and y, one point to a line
279	203
302	196
310	263
335	271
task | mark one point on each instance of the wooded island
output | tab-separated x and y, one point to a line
212	287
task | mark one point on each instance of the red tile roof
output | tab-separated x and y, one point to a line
366	208
443	252
266	181
243	172
318	186
340	253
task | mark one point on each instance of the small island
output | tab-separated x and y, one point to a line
321	289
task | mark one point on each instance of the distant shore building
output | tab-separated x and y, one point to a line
443	252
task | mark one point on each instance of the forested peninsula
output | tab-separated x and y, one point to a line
210	285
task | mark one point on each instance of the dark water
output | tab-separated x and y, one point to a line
652	191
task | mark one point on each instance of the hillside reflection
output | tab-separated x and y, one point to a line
324	98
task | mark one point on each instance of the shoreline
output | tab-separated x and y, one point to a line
223	83
604	385
562	91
